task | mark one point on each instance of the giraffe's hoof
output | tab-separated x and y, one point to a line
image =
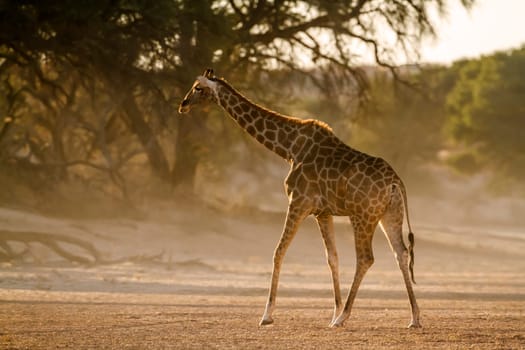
332	322
334	317
337	323
414	324
266	321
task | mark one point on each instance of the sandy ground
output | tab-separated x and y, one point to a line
208	290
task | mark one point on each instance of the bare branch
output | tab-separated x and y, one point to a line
53	240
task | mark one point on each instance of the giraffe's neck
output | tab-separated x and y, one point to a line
276	132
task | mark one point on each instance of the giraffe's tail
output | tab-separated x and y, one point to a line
411	241
411	255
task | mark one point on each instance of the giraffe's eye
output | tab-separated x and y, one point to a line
198	89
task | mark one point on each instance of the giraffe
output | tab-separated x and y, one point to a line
327	178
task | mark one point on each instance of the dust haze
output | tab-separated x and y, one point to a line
126	225
181	270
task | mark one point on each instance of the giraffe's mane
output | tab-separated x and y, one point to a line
313	122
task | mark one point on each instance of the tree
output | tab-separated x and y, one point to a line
402	125
110	46
258	35
141	54
486	114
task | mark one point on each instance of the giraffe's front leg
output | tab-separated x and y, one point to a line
293	218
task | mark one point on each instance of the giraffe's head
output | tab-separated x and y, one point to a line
202	90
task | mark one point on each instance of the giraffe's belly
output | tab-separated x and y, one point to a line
327	190
326	197
321	191
330	199
344	197
339	201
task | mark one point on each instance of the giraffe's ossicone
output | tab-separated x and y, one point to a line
326	178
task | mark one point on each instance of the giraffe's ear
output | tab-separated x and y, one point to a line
208	73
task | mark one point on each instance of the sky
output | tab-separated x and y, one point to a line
491	25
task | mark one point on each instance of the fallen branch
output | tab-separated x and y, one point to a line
139	259
50	240
53	241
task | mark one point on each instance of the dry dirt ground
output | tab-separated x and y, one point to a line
208	290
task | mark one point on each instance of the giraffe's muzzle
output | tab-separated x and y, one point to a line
184	106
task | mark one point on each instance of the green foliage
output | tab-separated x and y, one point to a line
403	124
486	113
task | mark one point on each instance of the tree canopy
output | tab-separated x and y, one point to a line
487	114
90	87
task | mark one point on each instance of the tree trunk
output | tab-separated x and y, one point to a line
140	127
196	53
187	155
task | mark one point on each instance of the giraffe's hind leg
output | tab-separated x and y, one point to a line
326	226
392	225
363	233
